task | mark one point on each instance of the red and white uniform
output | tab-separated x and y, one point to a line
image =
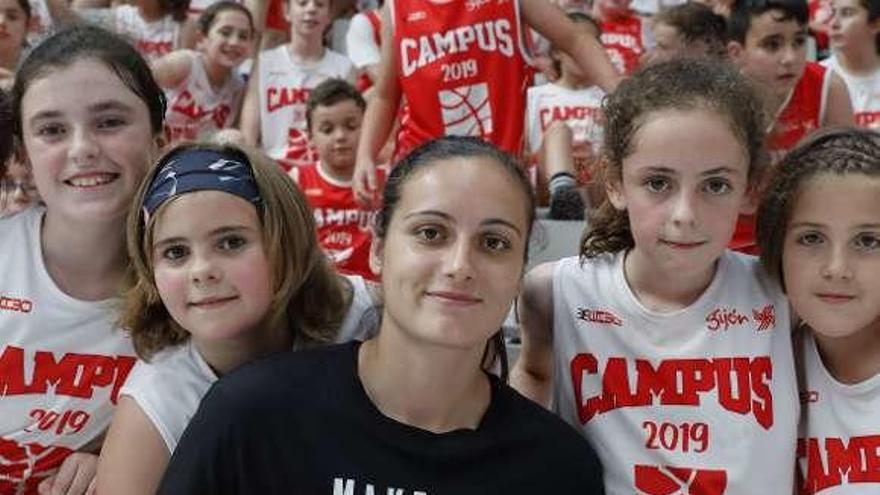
839	443
62	362
196	109
626	39
363	44
463	69
702	400
284	89
580	109
344	228
801	114
152	39
864	93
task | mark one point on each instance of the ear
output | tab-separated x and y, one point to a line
160	141
735	51
749	205
200	40
285	10
377	248
614	190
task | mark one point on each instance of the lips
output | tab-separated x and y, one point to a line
835	297
683	244
211	302
455	298
87	181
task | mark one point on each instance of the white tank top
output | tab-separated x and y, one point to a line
839	442
580	109
152	39
196	109
864	93
284	89
701	400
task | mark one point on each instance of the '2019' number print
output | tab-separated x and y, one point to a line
685	437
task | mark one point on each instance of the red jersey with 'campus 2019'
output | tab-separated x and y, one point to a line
625	41
463	69
802	114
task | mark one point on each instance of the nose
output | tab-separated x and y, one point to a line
459	262
684	209
789	54
836	264
83	150
203	269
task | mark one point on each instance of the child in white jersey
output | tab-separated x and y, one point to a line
203	87
15	15
274	111
211	293
855	46
819	232
670	353
88	116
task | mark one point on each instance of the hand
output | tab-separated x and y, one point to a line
76	476
366	191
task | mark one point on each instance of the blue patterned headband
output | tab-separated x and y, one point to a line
194	169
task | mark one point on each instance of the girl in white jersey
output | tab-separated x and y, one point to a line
670	353
88	116
203	87
855	45
819	232
274	111
213	292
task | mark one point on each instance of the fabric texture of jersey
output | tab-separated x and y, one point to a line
864	93
839	442
169	388
580	109
302	423
626	39
196	109
62	362
704	397
152	39
463	70
284	87
802	114
344	227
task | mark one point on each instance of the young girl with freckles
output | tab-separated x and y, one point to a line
819	232
62	264
414	410
671	354
203	87
212	292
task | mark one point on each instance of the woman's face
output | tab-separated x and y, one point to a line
453	254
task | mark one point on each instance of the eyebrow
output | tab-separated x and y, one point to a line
714	171
446	216
101	106
821	225
218	231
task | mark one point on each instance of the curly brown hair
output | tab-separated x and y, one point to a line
309	297
684	84
836	151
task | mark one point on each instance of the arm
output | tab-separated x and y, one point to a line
172	70
134	454
551	22
381	110
532	375
838	108
250	108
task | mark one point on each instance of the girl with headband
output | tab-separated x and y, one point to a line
211	292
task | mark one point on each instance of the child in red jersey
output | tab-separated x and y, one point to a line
819	234
334	113
625	35
768	43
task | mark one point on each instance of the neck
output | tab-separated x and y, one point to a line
306	49
150	11
570	82
339	174
664	292
217	74
859	62
9	58
69	252
223	356
432	388
852	359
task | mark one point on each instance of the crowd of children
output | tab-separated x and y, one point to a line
183	194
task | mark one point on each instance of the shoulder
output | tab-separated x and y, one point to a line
17	231
337	60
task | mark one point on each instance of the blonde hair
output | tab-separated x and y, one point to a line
309	297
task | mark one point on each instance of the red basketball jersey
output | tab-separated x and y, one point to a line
624	42
463	70
802	114
343	226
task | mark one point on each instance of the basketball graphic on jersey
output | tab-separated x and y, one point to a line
466	110
668	480
20	462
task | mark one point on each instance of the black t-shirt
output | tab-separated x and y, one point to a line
301	423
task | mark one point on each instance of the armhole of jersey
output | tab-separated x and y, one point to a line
823	100
522	32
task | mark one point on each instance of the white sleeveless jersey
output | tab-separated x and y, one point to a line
839	442
580	109
697	401
152	39
864	93
196	109
62	361
284	89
